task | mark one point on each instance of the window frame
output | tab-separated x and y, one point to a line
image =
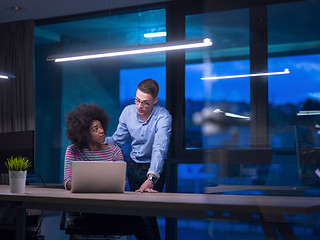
258	85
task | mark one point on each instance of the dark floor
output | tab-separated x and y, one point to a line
202	229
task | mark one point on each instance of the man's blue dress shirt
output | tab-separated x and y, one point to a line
150	139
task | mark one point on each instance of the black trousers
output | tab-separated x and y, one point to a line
137	174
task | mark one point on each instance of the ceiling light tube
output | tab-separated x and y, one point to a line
6	75
236	116
286	71
308	113
155	34
148	48
231	114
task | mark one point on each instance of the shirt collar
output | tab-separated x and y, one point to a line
152	112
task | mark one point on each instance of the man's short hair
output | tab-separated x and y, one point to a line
149	86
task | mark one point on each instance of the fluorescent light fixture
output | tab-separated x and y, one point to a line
148	48
308	113
6	75
286	71
155	34
231	114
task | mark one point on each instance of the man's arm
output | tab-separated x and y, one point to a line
121	135
160	145
159	152
69	158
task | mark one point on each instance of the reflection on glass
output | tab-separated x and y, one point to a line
204	128
113	31
286	71
292	94
107	83
293	43
204	97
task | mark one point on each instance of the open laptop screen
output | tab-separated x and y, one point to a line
98	177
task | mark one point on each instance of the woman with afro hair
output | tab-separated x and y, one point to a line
86	125
85	128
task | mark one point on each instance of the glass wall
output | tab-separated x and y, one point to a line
294	101
214	108
294	44
293	107
110	83
217	112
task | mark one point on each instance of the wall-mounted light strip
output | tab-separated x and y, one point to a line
155	34
308	113
148	48
6	75
286	71
231	114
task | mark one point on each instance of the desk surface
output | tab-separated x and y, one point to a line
232	188
159	204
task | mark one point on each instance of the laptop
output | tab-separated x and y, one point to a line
98	177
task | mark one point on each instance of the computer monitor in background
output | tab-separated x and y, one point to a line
16	144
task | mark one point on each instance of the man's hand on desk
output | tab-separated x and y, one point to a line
147	186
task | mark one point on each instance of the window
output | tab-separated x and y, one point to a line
210	103
130	78
293	44
110	83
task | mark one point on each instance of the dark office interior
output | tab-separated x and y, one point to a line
245	111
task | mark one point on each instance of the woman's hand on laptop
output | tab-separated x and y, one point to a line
147	186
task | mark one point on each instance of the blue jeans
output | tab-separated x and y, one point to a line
137	174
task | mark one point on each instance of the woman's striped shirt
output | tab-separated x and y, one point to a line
73	153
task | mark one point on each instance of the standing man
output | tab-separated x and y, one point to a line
148	127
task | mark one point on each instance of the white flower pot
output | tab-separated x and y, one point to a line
17	181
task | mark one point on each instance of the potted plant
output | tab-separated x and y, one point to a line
17	167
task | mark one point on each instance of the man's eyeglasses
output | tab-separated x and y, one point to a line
143	103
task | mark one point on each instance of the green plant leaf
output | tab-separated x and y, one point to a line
17	163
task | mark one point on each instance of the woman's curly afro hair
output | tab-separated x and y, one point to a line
78	122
